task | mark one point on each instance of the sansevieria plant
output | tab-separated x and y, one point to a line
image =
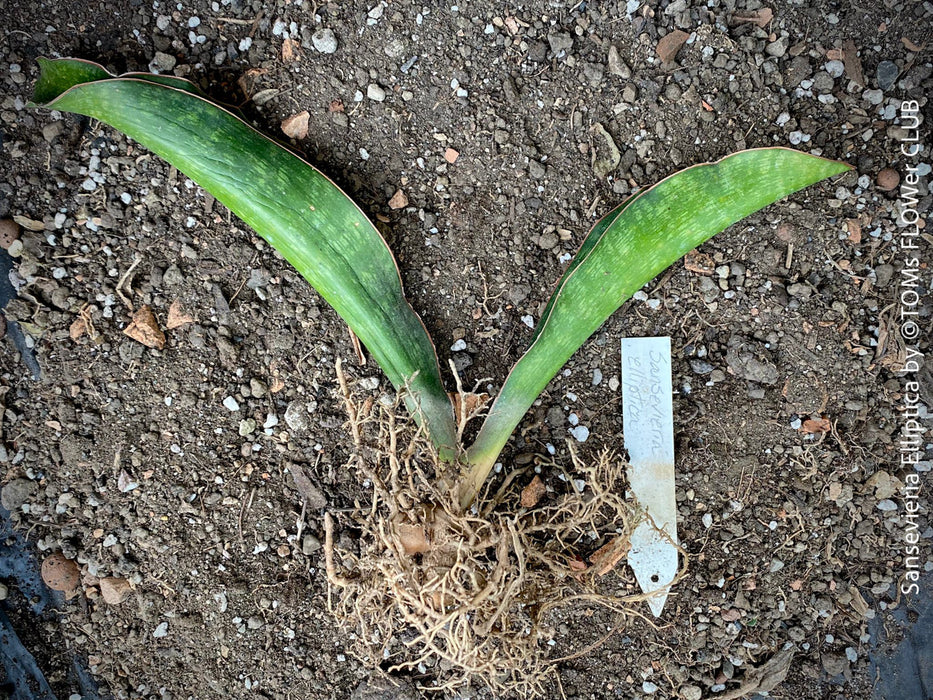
332	243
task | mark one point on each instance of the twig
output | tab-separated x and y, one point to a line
234	20
122	281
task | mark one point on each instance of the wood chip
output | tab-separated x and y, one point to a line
855	231
858	601
533	493
114	590
296	126
77	329
335	106
290	50
577	564
451	155
700	263
911	46
670	44
606	159
610	554
177	316
29	224
761	17
816	427
731	615
852	63
399	200
145	329
309	492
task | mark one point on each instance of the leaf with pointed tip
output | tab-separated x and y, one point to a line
291	204
626	249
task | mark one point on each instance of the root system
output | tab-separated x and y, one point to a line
470	596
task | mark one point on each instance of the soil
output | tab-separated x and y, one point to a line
168	468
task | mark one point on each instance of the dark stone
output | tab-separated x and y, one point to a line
886	74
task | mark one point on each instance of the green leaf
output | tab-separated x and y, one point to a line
626	249
291	204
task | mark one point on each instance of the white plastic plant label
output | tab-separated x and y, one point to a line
648	424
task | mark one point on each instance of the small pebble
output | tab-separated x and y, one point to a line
162	61
324	41
17	492
777	48
691	692
560	42
310	544
161	630
873	97
580	433
15	248
886	74
9	232
375	93
369	383
231	404
888	179
835	68
296	416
